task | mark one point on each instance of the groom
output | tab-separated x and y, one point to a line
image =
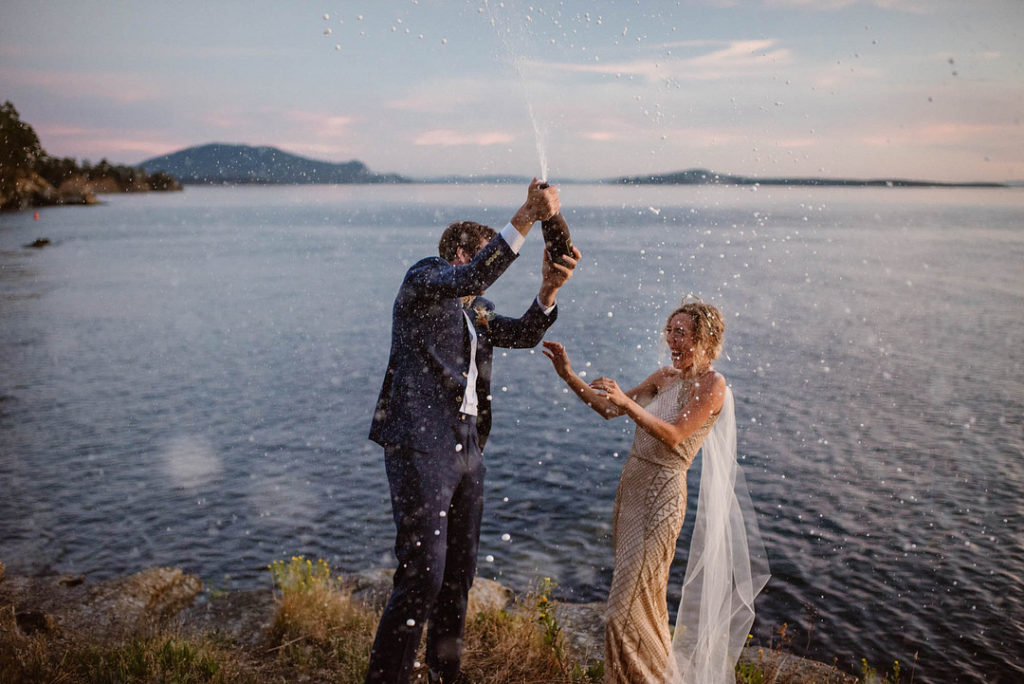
432	418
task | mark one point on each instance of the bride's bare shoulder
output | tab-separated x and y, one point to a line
662	378
716	384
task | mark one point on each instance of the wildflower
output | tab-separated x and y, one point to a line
483	316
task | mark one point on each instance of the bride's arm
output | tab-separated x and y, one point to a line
599	402
698	409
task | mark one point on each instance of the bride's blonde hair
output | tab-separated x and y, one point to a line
708	324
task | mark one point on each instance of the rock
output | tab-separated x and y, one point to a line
132	601
487	595
32	190
67	607
779	666
242	616
372	588
77	190
31	621
106	185
71	580
583	629
108	610
29	191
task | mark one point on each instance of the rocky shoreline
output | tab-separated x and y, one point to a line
69	608
34	191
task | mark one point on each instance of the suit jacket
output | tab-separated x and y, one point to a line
425	381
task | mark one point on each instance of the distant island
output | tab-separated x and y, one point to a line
220	163
29	177
705	177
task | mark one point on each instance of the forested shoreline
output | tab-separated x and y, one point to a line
29	177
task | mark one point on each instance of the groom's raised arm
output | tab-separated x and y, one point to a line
528	330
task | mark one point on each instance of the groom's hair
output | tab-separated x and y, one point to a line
464	234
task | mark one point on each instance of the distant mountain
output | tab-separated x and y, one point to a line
221	163
705	177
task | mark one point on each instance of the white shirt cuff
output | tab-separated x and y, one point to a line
547	309
513	237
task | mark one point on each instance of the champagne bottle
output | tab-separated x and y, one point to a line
556	235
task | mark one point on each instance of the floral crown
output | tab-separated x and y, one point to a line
703	312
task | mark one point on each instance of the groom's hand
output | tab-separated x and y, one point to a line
554	275
541	203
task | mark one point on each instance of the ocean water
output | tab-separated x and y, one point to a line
187	379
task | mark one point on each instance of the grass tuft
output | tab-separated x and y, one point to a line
523	644
319	633
317	626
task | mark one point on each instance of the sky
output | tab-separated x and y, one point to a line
922	89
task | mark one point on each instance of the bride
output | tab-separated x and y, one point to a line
677	410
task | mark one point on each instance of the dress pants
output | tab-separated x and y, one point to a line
437	502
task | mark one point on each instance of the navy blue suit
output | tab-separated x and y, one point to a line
433	451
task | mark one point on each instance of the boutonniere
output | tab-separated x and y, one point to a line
483	316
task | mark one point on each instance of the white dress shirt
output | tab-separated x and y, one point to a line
470	402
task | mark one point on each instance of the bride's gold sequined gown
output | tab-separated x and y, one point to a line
649	511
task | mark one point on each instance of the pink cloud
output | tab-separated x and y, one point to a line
450	138
221	119
117	150
795	143
909	6
429	102
738	58
147	147
80	141
320	123
941	134
47	131
116	86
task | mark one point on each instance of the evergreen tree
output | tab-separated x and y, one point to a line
19	148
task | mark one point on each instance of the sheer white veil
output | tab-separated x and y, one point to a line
726	567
